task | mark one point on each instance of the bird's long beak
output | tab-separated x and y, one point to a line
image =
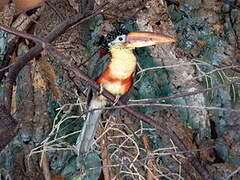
143	39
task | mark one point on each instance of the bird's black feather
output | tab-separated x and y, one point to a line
112	36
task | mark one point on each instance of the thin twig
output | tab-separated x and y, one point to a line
213	71
162	99
230	110
5	68
169	66
21	34
232	174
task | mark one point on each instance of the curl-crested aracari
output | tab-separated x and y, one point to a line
118	76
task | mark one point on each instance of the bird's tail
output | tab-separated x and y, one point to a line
89	129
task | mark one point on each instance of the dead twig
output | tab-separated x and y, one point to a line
132	104
233	173
163	99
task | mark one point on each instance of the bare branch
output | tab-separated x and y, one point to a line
20	33
162	99
230	110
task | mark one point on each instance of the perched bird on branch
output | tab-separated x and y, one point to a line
117	78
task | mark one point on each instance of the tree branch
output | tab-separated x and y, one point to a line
162	99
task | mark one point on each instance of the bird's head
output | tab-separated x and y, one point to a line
130	40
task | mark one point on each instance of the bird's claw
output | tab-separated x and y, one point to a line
116	100
101	89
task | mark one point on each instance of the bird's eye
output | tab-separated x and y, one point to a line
120	38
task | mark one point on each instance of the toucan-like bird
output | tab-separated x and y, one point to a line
118	75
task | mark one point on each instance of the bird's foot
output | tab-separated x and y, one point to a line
101	89
116	100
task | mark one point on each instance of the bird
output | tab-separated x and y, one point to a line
118	76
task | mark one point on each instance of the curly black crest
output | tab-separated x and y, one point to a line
104	41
